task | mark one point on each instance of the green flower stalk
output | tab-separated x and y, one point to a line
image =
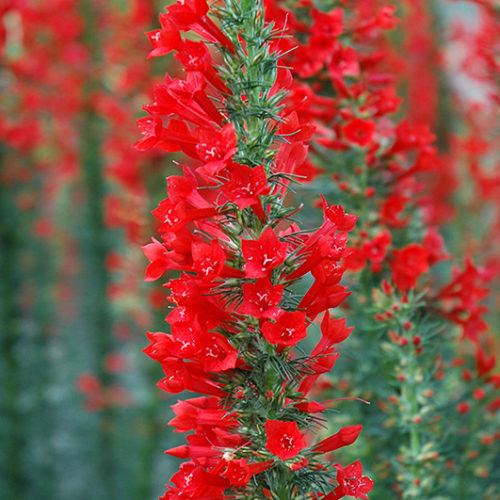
406	354
239	313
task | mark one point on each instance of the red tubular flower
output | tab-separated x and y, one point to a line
226	228
208	260
345	437
351	482
408	264
196	57
261	298
263	255
284	439
192	15
216	354
336	214
239	472
334	331
244	187
329	296
164	40
204	412
376	250
288	330
215	148
391	211
359	131
192	92
174	216
166	101
161	260
183	376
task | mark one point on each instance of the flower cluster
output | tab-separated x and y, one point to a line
239	307
305	92
384	171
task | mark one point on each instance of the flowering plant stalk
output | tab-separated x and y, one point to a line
406	328
238	309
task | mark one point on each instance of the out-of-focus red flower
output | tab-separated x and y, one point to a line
360	132
408	264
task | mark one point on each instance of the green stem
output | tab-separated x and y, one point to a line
149	441
11	429
412	488
95	246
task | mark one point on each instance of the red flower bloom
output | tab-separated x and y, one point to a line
343	62
391	210
215	148
359	131
201	412
196	57
244	186
216	353
289	329
345	437
284	439
263	255
376	250
160	260
173	216
261	298
239	472
336	214
208	260
351	482
333	332
164	40
192	15
408	264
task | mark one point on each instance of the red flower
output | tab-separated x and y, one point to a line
355	259
333	332
159	258
328	296
391	210
359	131
284	439
345	437
261	298
239	472
151	129
289	329
164	40
192	15
343	62
244	186
408	264
208	260
215	148
376	250
336	214
192	92
181	376
168	101
351	482
433	242
196	57
173	216
216	354
263	255
199	412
